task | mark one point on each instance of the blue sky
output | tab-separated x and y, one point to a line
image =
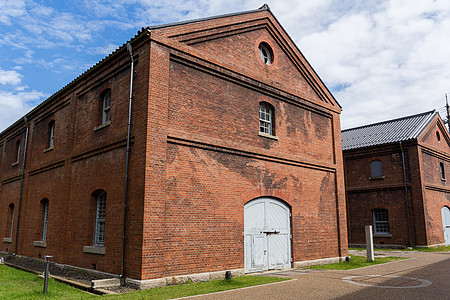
380	59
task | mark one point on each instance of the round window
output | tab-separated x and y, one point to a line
266	53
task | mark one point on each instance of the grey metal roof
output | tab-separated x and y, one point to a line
262	8
402	129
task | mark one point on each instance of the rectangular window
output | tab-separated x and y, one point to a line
381	221
100	220
51	133
106	108
11	208
265	119
44	227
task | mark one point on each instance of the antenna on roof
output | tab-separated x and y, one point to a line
448	111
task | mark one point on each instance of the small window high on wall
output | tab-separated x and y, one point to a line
266	118
441	167
376	169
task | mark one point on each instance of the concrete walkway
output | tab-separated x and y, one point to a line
423	276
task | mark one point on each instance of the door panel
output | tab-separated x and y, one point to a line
445	211
267	235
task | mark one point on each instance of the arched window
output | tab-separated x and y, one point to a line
266	117
441	167
11	220
100	218
376	169
438	136
17	151
44	205
106	107
51	133
380	221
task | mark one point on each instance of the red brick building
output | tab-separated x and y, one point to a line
396	180
235	158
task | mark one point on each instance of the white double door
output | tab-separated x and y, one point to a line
267	235
445	211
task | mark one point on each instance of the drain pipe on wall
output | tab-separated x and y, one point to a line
406	195
21	184
122	261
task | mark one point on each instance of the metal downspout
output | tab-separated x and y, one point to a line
122	261
21	184
406	195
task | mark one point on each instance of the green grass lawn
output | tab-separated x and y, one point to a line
422	249
356	262
17	284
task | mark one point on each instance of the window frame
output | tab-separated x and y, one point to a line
265	53
100	219
18	146
51	133
374	172
45	203
379	212
266	118
11	223
106	107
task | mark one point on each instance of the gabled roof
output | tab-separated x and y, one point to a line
396	130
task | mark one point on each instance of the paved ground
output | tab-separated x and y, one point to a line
423	276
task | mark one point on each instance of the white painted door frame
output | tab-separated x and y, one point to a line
267	235
445	213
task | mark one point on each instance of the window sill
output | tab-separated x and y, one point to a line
15	164
273	137
443	179
48	149
382	235
7	240
42	244
94	250
102	126
377	178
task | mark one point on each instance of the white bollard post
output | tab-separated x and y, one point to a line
369	243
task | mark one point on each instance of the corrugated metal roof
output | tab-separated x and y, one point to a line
402	129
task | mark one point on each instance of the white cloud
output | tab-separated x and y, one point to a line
10	77
11	9
16	105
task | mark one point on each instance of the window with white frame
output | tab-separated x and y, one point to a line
376	169
44	203
106	107
51	133
100	217
380	221
11	221
266	118
265	53
17	151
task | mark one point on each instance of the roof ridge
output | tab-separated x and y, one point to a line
389	121
265	7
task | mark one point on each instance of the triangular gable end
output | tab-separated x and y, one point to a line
435	135
234	41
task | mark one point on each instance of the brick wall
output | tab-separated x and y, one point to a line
196	156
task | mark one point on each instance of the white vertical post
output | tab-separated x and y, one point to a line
369	243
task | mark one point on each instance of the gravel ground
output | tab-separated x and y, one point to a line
384	253
79	275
